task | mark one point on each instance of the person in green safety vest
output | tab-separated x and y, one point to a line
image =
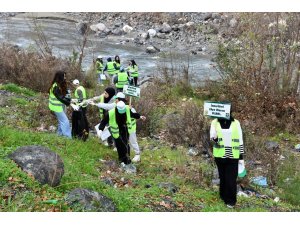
80	125
106	98
228	151
99	68
121	79
111	69
58	101
132	136
133	71
119	120
117	61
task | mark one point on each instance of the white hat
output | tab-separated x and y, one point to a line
99	57
120	95
121	107
76	82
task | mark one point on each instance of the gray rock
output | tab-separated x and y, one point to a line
152	33
207	16
129	168
152	49
166	28
161	36
145	36
87	200
233	23
45	165
108	181
82	27
193	152
118	32
98	27
127	29
170	186
271	145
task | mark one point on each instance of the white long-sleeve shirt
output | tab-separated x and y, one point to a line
227	139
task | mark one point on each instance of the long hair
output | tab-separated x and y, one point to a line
117	59
133	63
59	79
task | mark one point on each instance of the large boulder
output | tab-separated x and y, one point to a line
127	29
88	200
166	28
152	49
100	27
82	27
43	164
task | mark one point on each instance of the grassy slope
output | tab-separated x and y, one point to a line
84	167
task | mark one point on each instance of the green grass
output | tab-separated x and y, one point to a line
141	192
17	89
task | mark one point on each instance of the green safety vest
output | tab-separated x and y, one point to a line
133	124
219	148
134	71
99	66
122	79
114	128
54	104
118	66
83	93
100	109
111	69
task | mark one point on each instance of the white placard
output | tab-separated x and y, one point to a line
132	91
217	109
102	76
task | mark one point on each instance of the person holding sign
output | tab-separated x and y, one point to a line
121	79
228	151
119	120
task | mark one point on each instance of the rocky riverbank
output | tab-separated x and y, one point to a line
194	33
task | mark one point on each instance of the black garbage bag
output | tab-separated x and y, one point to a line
80	125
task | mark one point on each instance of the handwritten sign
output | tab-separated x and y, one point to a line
132	91
217	109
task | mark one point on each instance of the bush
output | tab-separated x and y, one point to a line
32	70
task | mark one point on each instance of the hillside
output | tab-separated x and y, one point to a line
167	179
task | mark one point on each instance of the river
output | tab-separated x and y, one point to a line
63	38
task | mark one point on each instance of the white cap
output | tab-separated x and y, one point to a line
99	57
121	107
120	95
76	82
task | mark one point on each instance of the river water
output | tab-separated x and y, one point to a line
63	38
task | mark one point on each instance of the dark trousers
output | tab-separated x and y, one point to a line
80	125
135	81
228	172
123	148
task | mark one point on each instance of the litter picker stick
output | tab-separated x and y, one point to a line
130	100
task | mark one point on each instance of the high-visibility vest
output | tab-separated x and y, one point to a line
114	128
54	104
134	71
101	111
122	79
118	66
133	124
83	94
99	67
219	148
110	68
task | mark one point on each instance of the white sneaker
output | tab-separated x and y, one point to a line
115	149
105	143
136	158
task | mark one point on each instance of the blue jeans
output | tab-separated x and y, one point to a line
63	124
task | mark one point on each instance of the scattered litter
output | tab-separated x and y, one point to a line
50	201
129	168
260	181
240	193
276	199
297	147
